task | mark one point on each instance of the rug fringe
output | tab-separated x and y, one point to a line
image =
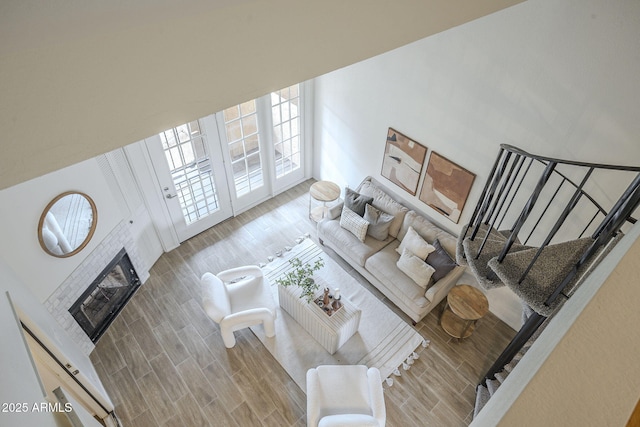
406	365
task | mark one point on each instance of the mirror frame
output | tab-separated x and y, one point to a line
91	230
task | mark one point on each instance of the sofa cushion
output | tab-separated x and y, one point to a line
379	222
351	221
348	244
355	201
429	231
383	265
415	244
440	261
414	267
385	203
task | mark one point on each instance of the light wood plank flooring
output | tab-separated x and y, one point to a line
163	362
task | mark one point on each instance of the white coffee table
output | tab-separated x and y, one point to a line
330	331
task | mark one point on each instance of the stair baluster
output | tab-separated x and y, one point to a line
527	209
518	187
499	201
499	258
485	189
563	216
489	196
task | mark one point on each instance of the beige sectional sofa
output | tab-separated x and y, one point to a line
377	260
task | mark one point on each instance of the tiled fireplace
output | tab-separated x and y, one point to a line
88	272
106	296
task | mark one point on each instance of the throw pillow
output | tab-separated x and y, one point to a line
351	221
379	222
441	261
356	201
415	244
418	270
384	202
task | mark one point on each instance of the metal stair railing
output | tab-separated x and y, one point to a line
511	184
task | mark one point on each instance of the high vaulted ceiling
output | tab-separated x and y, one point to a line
82	77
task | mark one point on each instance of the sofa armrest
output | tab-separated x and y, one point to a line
246	318
313	403
378	410
441	288
334	209
239	272
348	420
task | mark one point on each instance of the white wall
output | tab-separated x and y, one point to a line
20	381
557	78
20	210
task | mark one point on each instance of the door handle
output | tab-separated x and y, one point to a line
170	196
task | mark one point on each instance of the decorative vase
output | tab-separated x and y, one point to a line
336	299
325	299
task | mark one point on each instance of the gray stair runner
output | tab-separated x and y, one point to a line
499	236
553	264
460	257
493	385
501	376
479	265
482	397
543	278
551	267
527	311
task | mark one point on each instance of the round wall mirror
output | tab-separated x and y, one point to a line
67	224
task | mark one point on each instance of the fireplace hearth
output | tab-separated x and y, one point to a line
107	295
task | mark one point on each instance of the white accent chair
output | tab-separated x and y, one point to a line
345	395
238	298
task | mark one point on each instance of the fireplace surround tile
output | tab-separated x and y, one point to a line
70	290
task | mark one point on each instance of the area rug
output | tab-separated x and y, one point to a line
383	339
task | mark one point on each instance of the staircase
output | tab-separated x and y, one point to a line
538	229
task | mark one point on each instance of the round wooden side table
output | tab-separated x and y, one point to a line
464	307
322	191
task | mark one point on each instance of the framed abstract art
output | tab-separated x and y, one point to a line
446	186
403	161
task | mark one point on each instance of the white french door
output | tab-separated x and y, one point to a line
218	166
287	142
244	151
191	176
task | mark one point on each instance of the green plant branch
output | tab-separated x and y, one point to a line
302	275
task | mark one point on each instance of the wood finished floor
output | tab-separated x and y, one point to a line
163	362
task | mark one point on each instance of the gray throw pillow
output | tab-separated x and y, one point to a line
441	261
379	222
356	201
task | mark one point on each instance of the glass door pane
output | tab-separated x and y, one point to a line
190	167
243	142
285	114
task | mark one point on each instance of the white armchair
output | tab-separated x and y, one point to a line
345	395
238	298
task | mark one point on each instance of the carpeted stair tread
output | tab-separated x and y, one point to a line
508	368
527	311
480	266
554	263
506	234
482	397
502	376
492	386
588	268
460	257
482	231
